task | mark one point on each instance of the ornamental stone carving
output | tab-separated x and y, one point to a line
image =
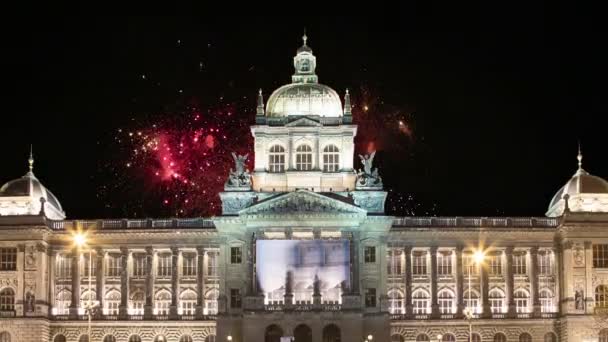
239	178
30	257
368	177
578	256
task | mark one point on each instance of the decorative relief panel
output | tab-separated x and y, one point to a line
578	255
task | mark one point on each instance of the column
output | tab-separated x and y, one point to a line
174	281
52	269
200	281
485	284
124	283
534	281
566	278
317	153
408	281
290	155
510	281
434	303
557	271
355	265
149	283
75	283
459	283
589	290
99	279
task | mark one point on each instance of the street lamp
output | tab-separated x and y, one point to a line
229	337
439	337
478	258
80	240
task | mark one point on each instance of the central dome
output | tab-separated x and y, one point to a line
304	99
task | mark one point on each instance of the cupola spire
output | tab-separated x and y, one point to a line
579	157
347	106
30	160
260	109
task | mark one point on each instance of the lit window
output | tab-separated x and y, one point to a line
113	265
137	303
8	259
495	264
370	298
62	302
497	299
600	256
64	266
394	262
211	302
164	265
471	303
112	303
420	302
162	302
521	301
187	303
601	296
446	302
419	263
189	265
469	266
395	302
84	269
7	299
370	254
212	267
139	265
545	263
236	255
519	264
331	159
546	301
444	263
276	159
304	158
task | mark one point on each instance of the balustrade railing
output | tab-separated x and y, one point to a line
133	224
476	222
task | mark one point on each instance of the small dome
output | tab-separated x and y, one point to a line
304	99
25	195
586	193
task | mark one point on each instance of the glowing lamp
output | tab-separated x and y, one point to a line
478	257
80	239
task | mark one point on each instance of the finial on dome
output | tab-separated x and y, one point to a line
260	109
347	106
580	157
30	160
304	37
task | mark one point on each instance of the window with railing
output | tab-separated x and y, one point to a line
140	263
419	263
420	302
188	264
519	263
164	265
394	264
64	266
8	259
331	159
304	158
545	263
7	299
276	159
445	299
495	264
600	256
113	265
521	301
444	263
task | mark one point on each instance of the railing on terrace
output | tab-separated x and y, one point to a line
133	224
481	222
133	317
302	307
5	314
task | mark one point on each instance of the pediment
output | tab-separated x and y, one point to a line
303	122
302	202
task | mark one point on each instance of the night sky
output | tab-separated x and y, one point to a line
494	101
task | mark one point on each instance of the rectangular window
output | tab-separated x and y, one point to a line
64	266
468	265
113	266
188	307
331	162
84	269
419	263
235	298
370	254
8	259
236	255
394	264
519	263
112	307
139	265
444	263
600	256
164	265
212	259
370	298
545	263
495	264
189	265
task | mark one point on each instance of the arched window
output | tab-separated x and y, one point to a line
112	302
303	333
397	338
59	338
5	336
160	338
211	302
476	338
420	302
62	302
448	338
331	159
395	302
331	333
603	336
109	338
497	299
546	301
500	337
7	299
84	298
84	338
276	159
601	296
210	338
273	333
187	302
551	337
134	338
137	303
162	303
525	337
446	301
521	301
471	301
304	158
423	338
185	338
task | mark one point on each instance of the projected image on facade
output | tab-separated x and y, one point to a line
300	267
